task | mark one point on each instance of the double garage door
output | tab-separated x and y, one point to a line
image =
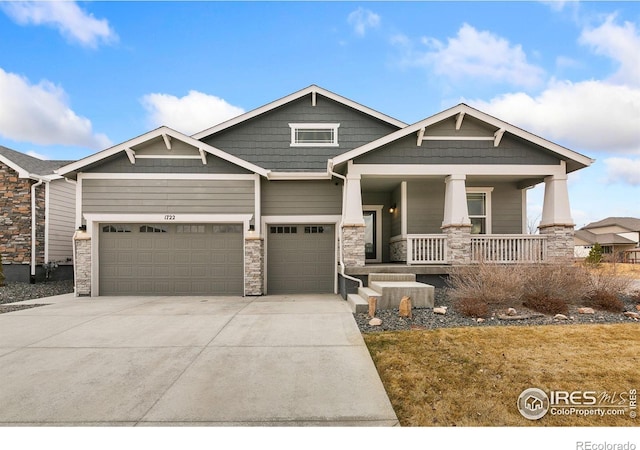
171	259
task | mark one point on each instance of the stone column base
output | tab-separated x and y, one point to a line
253	266
560	242
353	254
458	244
82	263
398	249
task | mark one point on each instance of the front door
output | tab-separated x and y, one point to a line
372	233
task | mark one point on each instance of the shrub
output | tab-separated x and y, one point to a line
492	284
471	307
605	301
551	284
546	305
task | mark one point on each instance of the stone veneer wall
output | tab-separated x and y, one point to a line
15	218
82	263
398	250
458	244
560	242
353	254
253	266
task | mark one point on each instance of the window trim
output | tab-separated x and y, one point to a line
487	213
314	126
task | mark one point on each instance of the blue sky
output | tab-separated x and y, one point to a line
77	77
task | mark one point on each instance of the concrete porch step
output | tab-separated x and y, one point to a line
422	295
366	292
390	277
357	303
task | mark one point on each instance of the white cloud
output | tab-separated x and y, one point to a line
362	19
40	114
189	114
624	170
618	42
589	115
71	21
476	54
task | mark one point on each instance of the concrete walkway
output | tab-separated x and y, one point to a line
159	361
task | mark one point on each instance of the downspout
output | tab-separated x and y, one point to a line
34	225
340	258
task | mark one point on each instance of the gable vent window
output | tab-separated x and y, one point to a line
314	134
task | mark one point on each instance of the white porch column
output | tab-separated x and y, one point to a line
456	212
352	207
556	210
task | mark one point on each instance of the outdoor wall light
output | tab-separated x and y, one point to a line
252	227
392	209
82	228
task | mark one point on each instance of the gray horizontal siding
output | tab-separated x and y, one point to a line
265	140
425	206
506	207
301	198
470	127
511	150
119	163
62	210
168	196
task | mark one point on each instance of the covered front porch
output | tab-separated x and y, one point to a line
426	224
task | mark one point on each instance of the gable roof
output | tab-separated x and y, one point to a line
314	90
629	223
602	239
579	161
28	166
165	133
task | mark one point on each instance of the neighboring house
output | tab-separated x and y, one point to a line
312	190
37	209
616	235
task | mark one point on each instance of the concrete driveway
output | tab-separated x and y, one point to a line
159	361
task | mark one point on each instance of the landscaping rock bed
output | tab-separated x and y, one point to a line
425	318
18	292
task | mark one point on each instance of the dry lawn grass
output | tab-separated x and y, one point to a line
473	376
627	270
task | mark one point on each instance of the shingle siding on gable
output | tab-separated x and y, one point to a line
265	140
510	151
120	164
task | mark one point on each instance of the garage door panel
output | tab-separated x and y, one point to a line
178	260
302	261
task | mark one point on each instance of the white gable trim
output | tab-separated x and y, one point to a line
460	111
166	133
313	90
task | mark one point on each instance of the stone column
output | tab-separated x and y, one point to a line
458	244
560	242
353	254
557	223
398	249
253	265
82	263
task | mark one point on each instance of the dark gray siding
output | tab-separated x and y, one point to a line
168	196
425	200
265	140
301	198
470	127
120	164
396	218
511	150
62	213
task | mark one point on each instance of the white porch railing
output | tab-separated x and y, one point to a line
508	248
426	249
491	248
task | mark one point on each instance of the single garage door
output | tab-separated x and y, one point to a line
171	259
301	259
